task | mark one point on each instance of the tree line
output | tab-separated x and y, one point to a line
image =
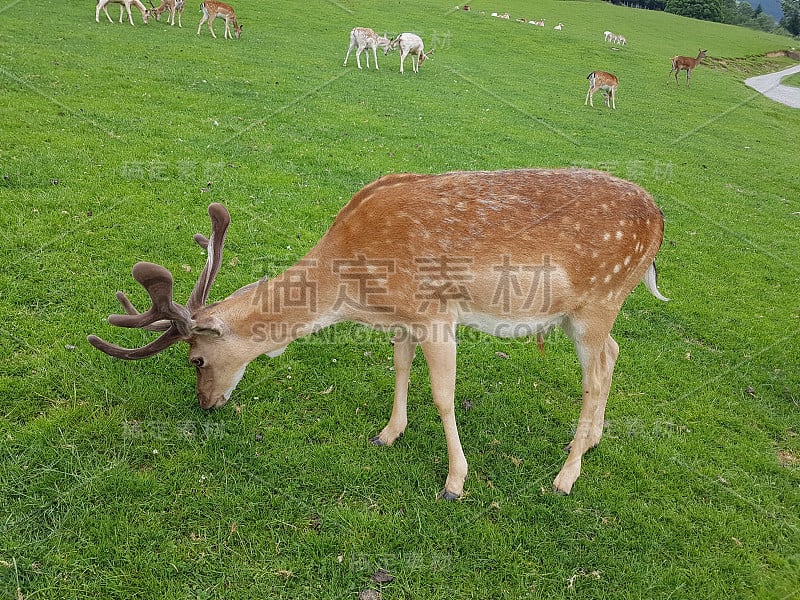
733	12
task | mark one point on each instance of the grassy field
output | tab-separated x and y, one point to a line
114	484
793	79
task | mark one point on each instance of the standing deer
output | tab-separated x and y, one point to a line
211	10
685	63
608	83
364	37
511	253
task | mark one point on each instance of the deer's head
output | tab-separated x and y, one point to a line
218	353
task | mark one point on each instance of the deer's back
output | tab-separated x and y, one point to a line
594	235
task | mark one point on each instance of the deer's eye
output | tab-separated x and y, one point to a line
197	361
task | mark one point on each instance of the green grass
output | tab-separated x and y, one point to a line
793	79
114	484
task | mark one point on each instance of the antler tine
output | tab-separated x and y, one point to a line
165	315
158	282
163	342
220	219
201	240
130	309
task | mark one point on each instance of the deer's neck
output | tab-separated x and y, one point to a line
298	302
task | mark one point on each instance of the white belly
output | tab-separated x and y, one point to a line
509	327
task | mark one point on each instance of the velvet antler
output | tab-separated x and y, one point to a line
173	319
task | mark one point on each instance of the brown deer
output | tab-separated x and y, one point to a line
685	63
212	9
511	253
608	83
173	6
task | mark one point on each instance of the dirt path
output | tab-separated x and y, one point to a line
770	86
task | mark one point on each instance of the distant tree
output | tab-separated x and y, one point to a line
745	10
759	9
707	10
764	22
731	13
791	16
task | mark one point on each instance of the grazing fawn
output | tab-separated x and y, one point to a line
685	63
364	37
124	5
213	9
510	253
173	6
600	80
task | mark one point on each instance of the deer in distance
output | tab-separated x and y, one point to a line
685	63
608	83
510	253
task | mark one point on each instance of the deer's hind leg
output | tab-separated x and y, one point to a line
597	352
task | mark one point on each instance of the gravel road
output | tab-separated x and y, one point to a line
770	86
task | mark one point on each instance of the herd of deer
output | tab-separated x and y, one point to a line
211	9
510	253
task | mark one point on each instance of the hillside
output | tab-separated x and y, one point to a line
114	140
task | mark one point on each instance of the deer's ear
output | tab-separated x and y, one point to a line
208	327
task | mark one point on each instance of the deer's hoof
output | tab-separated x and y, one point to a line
445	495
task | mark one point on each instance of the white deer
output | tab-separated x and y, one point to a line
410	43
511	253
365	38
124	5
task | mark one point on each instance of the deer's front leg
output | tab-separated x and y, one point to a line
441	358
404	348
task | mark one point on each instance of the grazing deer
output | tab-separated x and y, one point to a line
213	9
685	63
173	6
511	253
600	80
410	43
124	5
364	37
